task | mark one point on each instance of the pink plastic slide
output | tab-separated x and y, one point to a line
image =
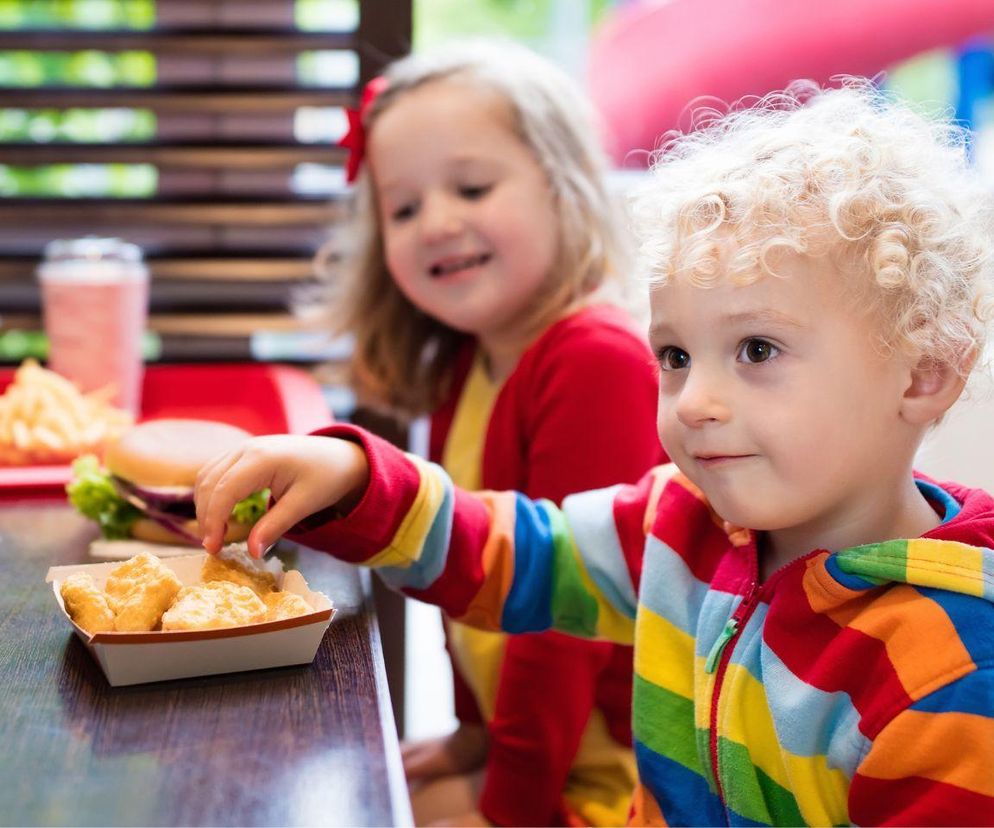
653	58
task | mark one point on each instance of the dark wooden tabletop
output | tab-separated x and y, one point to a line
310	745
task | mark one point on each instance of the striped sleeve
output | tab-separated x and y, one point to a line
931	764
494	560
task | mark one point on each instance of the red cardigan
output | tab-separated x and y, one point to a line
577	413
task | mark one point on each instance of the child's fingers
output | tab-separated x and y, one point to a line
207	481
304	475
224	486
256	547
212	469
283	515
207	477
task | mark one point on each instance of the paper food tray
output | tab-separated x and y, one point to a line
139	657
102	549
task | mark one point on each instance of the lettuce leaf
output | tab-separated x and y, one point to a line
251	508
93	494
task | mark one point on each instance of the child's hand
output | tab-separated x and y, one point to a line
304	474
462	751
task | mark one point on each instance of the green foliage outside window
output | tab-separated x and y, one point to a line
524	20
77	14
76	125
326	15
20	69
438	20
79	180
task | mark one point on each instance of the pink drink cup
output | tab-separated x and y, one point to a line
95	314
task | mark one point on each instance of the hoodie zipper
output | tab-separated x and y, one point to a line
717	662
721	653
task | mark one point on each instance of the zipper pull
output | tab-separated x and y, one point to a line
727	634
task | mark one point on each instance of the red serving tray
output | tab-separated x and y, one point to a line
262	399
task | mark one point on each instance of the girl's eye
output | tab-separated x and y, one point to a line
474	192
402	213
673	359
754	351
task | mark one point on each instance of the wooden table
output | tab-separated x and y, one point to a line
310	745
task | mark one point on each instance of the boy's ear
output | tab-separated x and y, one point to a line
933	389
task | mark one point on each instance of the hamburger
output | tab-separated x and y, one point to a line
144	489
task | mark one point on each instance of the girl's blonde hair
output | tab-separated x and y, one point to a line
849	173
402	356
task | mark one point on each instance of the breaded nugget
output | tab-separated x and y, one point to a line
86	604
237	567
139	591
213	605
284	605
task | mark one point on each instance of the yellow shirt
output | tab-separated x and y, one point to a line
603	774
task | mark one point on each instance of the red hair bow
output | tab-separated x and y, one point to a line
355	139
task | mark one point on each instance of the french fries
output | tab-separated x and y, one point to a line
44	418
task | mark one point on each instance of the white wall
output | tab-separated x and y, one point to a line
961	449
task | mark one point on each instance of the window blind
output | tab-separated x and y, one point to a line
202	130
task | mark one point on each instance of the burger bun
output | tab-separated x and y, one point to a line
170	452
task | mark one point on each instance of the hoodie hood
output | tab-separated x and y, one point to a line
956	556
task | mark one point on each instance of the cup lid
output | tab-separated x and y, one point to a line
92	248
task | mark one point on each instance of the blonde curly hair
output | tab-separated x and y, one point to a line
849	173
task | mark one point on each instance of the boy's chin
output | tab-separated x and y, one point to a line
745	515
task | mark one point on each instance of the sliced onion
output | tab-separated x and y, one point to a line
174	524
162	495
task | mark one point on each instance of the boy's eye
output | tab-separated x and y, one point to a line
673	359
757	350
474	191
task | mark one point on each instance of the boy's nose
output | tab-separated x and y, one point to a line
701	400
439	219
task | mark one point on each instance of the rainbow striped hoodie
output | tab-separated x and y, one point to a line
854	686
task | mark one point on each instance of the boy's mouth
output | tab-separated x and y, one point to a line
708	461
457	264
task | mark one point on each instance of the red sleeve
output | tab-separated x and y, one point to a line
592	424
368	528
373	523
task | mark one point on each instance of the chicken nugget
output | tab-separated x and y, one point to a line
139	591
235	566
214	605
285	605
86	604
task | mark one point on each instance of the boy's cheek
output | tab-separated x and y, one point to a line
666	429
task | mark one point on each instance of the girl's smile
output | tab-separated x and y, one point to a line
453	266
